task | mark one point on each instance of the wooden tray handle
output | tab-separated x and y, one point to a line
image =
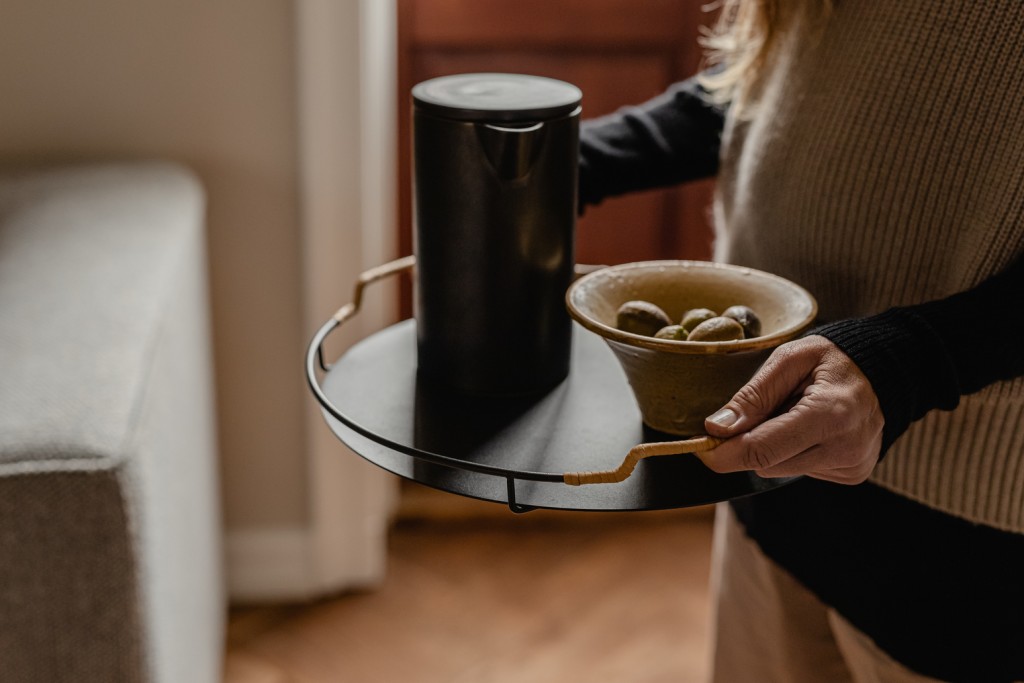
638	453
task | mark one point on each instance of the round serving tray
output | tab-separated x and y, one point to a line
509	450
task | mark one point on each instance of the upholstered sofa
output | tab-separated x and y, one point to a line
110	552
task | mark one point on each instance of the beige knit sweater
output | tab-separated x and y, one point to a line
923	101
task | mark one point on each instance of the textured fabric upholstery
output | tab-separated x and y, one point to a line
110	553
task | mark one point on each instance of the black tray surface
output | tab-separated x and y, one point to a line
586	423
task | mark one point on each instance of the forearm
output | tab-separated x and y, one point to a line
672	138
925	357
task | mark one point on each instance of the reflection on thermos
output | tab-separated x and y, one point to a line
495	178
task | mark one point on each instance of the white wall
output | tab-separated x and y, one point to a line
235	90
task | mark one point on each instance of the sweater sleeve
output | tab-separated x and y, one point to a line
925	357
672	138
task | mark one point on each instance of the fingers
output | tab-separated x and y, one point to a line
786	372
819	463
808	411
770	444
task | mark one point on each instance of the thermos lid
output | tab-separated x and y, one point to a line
497	97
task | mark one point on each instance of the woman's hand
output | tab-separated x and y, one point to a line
808	410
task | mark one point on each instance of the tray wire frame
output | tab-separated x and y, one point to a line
315	361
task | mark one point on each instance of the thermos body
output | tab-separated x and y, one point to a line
495	183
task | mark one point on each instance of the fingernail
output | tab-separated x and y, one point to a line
724	418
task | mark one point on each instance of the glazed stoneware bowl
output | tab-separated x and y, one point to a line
678	383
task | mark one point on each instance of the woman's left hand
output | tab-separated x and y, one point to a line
808	410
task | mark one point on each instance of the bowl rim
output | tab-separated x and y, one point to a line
688	347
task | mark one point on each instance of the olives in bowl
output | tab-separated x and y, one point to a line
641	317
677	381
698	324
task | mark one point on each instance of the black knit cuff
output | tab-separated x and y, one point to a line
907	365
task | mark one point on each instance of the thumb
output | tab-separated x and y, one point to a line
785	373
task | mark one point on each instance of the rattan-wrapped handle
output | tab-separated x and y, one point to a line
638	453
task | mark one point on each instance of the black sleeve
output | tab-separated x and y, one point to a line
925	357
672	138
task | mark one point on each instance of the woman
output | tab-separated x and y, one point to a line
874	153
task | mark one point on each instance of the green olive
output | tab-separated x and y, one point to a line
747	319
641	317
695	316
717	329
672	332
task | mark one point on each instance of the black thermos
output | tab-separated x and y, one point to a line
495	183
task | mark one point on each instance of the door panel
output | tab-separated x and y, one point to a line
618	52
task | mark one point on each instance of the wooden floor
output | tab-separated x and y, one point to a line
476	594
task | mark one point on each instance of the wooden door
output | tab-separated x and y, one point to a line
618	52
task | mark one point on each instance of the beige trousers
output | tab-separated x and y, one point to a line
767	628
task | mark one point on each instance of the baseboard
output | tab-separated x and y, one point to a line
268	564
276	565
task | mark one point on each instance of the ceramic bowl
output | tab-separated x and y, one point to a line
678	383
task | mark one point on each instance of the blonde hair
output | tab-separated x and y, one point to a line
742	40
